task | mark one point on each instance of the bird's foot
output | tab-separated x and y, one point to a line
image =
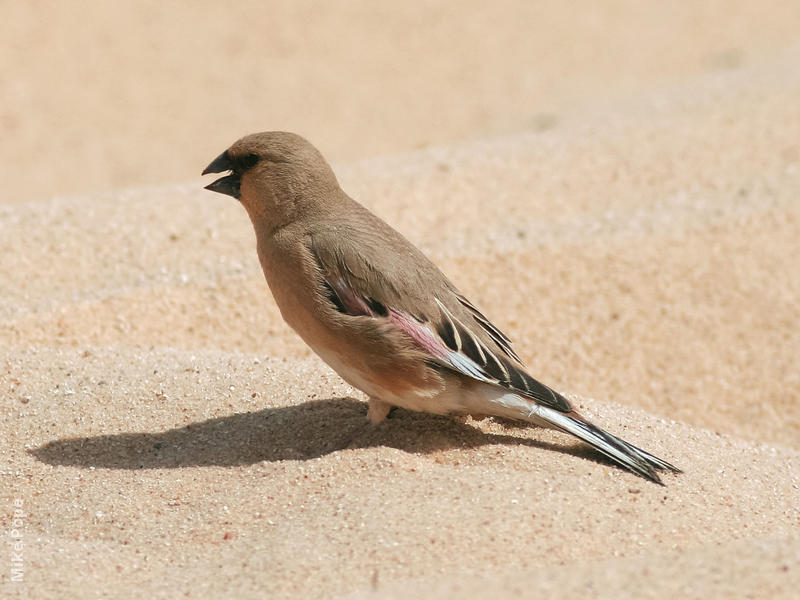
377	411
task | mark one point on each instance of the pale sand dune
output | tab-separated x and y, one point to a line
221	474
720	571
169	436
100	95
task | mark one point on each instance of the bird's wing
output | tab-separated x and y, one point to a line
410	293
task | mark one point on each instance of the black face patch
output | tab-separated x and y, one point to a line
246	162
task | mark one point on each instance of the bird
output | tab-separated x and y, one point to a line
373	307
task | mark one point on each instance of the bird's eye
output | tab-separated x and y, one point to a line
249	161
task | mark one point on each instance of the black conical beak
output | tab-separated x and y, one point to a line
230	184
222	163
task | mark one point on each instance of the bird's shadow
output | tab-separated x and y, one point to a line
299	432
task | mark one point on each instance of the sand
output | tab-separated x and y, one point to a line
626	209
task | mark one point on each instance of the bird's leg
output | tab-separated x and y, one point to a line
377	411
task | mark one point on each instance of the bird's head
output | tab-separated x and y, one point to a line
276	175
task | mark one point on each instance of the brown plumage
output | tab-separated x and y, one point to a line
373	307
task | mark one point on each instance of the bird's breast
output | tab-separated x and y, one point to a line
376	361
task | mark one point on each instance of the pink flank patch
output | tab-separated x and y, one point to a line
428	340
352	302
355	305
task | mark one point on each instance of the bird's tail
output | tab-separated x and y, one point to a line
621	452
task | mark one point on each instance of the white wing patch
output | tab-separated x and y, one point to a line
467	366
